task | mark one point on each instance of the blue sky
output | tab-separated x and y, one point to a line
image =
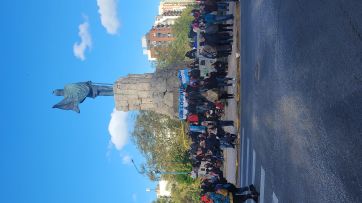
48	155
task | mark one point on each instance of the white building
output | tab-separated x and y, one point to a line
173	5
164	189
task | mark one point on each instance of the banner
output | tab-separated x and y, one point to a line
182	104
184	77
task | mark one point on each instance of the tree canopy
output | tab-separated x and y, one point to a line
158	138
162	141
173	54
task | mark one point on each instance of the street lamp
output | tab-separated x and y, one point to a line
136	167
157	172
149	189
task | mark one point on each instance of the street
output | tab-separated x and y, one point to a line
301	99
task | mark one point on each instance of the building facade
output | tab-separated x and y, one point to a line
174	5
159	36
161	33
164	189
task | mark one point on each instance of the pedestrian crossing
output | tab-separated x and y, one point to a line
275	199
242	155
253	172
262	185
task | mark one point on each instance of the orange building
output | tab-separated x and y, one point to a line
161	33
157	37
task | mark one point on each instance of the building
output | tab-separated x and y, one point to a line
161	33
164	189
156	38
167	18
174	5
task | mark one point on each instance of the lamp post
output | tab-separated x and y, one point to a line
159	172
149	189
136	167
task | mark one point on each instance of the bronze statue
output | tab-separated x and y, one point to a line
76	93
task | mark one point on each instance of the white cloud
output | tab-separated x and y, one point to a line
118	128
85	41
108	13
126	159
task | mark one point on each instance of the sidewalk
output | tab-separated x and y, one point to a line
232	110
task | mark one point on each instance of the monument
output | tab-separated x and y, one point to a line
76	93
156	92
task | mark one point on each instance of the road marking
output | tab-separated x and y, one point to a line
275	199
242	157
253	172
247	161
262	184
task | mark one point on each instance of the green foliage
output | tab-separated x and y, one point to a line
173	54
163	143
186	192
158	138
162	200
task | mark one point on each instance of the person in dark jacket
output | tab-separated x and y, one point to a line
191	54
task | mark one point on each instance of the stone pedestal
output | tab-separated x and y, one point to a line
156	92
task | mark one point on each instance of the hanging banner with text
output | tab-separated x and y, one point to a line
184	78
182	104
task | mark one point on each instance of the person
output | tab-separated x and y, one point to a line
76	93
224	50
197	128
216	28
191	33
216	124
192	118
212	82
239	194
225	123
214	37
213	197
216	40
213	18
220	66
213	6
226	96
209	52
191	54
226	143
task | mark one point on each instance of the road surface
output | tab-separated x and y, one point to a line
301	120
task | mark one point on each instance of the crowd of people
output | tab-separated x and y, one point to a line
211	40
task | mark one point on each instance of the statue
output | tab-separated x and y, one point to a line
76	93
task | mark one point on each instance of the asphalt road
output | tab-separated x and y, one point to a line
301	77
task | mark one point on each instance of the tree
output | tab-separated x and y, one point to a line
162	142
162	200
181	193
159	139
173	54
